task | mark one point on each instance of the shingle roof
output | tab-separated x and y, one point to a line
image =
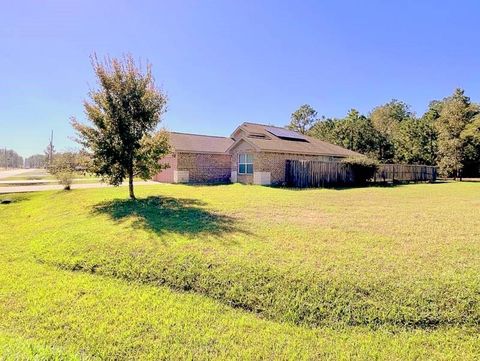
273	143
184	142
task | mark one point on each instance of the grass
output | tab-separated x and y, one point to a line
242	272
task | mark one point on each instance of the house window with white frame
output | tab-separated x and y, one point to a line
245	164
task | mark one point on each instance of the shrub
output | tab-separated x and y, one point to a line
363	168
63	169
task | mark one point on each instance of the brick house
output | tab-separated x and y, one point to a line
253	154
197	159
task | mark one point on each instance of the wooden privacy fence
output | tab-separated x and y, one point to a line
314	173
405	173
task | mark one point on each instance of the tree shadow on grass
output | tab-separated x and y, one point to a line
166	214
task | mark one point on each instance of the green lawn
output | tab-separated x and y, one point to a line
235	272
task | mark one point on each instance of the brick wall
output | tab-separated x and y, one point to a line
166	175
205	168
268	162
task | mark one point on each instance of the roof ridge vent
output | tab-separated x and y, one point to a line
257	135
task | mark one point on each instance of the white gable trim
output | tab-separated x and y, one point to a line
242	140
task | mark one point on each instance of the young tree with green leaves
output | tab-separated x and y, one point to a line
63	168
302	119
125	111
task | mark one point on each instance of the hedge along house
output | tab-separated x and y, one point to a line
253	154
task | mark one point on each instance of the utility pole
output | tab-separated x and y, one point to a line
50	150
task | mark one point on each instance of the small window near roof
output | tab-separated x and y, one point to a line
245	164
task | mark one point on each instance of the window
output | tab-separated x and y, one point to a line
245	164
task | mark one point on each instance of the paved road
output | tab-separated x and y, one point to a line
38	181
12	172
38	188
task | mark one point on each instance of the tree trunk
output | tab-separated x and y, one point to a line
130	184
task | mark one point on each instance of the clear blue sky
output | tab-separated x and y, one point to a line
225	62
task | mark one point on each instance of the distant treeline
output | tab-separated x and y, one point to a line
10	159
36	161
447	135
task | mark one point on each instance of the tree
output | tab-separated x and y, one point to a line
429	119
471	137
63	168
325	129
415	142
358	134
457	112
386	119
10	159
302	119
125	112
354	132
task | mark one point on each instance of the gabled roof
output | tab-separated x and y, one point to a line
273	143
196	143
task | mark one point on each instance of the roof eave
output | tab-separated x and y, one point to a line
198	151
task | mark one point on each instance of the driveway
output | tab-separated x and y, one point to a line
39	188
